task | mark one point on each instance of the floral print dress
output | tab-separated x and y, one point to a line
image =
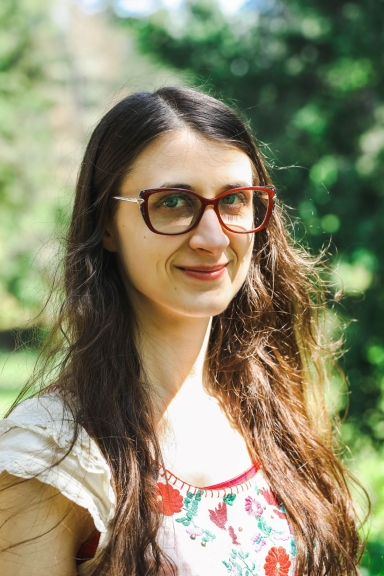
237	527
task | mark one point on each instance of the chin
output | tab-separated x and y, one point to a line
204	309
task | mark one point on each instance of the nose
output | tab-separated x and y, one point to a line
208	234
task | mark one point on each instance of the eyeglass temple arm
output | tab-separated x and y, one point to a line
137	200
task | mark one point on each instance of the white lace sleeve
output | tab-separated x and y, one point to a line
36	434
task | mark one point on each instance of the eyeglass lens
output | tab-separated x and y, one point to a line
176	211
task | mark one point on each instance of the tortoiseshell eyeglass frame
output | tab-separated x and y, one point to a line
144	195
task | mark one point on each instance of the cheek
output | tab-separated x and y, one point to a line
131	256
244	254
244	251
139	264
143	258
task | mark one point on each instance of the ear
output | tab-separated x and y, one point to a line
109	239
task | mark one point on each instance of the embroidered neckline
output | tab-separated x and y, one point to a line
240	483
237	480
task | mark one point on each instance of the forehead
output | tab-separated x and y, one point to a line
185	156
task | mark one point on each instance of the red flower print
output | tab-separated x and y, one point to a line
219	515
253	507
280	514
277	562
233	536
269	496
169	500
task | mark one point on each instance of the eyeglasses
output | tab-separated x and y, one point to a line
173	211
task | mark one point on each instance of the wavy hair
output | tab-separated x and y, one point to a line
267	353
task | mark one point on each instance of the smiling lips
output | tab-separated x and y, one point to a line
205	272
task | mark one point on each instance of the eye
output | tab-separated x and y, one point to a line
174	201
171	201
234	199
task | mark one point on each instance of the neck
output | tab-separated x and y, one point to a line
173	352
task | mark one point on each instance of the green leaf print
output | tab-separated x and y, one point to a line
245	570
238	568
208	536
267	531
229	499
191	504
243	555
263	526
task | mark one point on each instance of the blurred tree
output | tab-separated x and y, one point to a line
24	138
310	76
59	66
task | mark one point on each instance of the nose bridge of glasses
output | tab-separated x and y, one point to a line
209	201
212	203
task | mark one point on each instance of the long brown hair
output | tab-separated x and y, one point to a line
266	353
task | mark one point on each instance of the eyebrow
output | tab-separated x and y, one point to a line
224	188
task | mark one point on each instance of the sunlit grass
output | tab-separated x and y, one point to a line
7	398
15	369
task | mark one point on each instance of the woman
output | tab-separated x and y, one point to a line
188	342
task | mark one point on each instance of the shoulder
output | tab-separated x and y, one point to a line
41	527
49	421
52	411
42	439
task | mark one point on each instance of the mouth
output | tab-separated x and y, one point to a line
204	272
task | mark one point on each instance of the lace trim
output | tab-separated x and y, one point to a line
236	485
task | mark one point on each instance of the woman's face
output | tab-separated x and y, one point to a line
198	273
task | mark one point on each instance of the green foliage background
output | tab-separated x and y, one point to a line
310	76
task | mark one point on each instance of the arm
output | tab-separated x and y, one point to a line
41	528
